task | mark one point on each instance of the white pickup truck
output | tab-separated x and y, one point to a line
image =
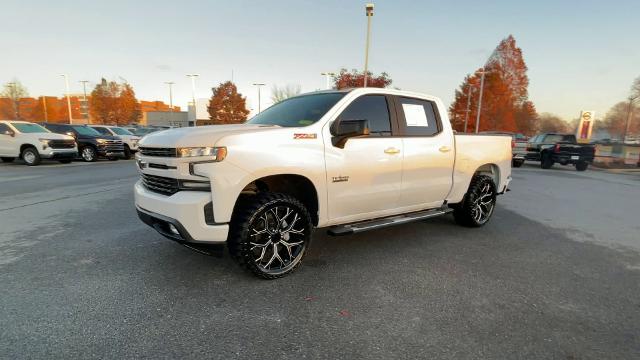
349	161
31	143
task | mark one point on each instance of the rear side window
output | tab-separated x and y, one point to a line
373	108
420	116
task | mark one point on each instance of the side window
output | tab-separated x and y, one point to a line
420	116
102	130
373	108
3	128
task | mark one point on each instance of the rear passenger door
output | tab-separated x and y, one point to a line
427	168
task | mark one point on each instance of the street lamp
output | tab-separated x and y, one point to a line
327	76
629	112
193	88
482	72
84	99
259	85
369	13
66	82
170	83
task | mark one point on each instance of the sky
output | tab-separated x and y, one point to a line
581	55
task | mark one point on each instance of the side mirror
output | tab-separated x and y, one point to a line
9	132
71	133
342	130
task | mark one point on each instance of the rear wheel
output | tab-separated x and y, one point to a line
8	159
269	234
582	165
517	163
89	154
30	156
476	208
546	162
127	152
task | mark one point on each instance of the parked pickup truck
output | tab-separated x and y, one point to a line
551	148
91	144
32	143
347	160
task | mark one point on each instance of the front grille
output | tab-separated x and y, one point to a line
160	152
113	145
62	144
159	184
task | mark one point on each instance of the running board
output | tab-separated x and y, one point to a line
388	221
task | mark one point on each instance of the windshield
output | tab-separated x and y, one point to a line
85	130
29	128
121	131
298	111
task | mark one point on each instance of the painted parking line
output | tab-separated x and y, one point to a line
17	178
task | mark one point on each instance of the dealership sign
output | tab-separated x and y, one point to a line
583	134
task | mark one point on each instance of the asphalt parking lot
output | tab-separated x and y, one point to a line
554	275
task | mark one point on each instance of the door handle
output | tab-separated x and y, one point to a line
444	149
391	150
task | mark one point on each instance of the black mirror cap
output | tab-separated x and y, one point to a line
342	130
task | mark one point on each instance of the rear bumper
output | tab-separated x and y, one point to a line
184	210
571	159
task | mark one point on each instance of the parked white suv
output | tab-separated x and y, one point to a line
129	139
349	160
31	142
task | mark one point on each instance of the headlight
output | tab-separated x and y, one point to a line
45	143
101	141
218	153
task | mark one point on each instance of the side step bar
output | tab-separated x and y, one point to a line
388	221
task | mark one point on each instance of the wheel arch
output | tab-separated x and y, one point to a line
24	146
296	185
491	170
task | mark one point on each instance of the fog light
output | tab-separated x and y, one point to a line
173	229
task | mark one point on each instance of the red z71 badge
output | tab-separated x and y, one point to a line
305	136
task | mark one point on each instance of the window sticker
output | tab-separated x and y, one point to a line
415	115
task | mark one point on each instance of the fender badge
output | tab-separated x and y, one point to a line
340	178
305	136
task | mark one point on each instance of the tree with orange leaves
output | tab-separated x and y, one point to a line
114	104
505	100
227	105
345	79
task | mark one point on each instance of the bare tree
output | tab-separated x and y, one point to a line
15	91
280	93
551	123
635	88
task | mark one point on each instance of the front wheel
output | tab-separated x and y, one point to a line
269	234
478	204
582	165
89	154
127	152
30	156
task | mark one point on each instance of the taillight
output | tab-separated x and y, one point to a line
513	144
556	148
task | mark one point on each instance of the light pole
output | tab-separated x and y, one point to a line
259	85
482	72
327	77
84	98
629	112
170	83
44	108
369	12
466	116
66	82
193	88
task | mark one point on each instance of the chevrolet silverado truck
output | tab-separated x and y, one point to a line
346	160
553	148
91	144
32	143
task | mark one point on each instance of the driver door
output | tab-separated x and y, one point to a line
364	177
7	142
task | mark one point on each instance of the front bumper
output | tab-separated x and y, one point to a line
59	154
102	152
184	210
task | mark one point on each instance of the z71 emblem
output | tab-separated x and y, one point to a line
305	136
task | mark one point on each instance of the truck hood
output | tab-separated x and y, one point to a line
52	136
200	135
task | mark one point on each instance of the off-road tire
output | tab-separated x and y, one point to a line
582	166
517	163
545	161
8	159
127	152
30	156
464	213
251	209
